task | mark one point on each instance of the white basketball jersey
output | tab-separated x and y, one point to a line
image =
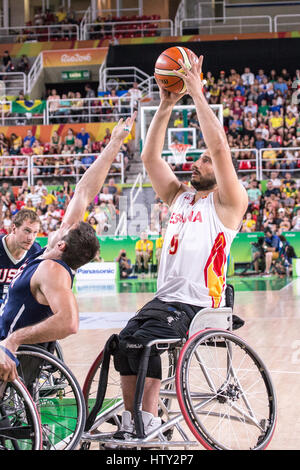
194	255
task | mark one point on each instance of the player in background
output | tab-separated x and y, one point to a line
192	275
40	306
17	246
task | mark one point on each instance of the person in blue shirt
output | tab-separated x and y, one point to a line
40	306
84	137
272	248
281	85
17	246
30	138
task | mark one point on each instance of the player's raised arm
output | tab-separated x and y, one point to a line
93	179
230	192
164	182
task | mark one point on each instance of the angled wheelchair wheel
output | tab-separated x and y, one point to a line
225	392
57	395
112	404
20	426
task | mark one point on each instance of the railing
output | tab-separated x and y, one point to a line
286	23
7	118
223	25
67	166
34	72
86	19
134	193
13	82
115	77
246	165
15	167
40	33
127	29
121	228
288	162
88	109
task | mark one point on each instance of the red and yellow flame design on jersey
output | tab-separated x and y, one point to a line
214	271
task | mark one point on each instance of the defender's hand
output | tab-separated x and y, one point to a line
123	128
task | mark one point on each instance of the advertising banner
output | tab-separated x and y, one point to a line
97	272
71	58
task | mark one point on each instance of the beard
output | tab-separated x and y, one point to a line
204	183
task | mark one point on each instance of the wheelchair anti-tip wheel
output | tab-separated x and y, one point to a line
225	392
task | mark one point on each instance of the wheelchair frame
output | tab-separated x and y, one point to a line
208	321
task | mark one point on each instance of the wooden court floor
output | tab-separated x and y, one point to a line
272	328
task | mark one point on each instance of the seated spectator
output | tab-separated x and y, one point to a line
285	225
29	138
105	195
7	220
55	142
48	198
23	64
249	223
84	136
248	77
254	193
34	196
272	248
158	246
143	252
29	205
69	139
276	121
124	264
271	190
93	222
54	103
26	150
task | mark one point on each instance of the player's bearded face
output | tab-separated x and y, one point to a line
203	177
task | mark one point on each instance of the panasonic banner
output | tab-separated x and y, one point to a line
97	272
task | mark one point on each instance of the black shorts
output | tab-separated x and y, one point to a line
157	319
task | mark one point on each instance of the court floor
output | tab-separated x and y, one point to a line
269	306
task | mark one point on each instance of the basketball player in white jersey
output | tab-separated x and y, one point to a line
204	221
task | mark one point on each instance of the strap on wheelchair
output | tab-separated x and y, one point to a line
139	392
109	349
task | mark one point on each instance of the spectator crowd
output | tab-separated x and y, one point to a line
66	155
51	203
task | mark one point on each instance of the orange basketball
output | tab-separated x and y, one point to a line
167	62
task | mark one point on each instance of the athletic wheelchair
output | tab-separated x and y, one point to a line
44	409
215	392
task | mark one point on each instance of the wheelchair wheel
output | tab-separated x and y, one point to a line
57	395
112	405
225	392
20	426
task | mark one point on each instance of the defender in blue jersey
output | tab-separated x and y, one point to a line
17	246
40	306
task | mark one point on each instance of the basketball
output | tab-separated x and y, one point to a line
167	62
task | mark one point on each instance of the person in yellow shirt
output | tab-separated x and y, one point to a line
249	223
276	121
48	197
158	246
143	252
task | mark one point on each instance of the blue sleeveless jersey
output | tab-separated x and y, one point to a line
10	266
20	308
